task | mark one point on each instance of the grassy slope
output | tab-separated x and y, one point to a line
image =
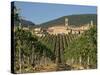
73	20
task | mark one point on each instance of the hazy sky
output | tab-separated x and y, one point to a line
42	12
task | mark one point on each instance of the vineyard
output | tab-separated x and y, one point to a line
57	44
54	52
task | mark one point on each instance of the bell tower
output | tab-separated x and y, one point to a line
66	21
91	23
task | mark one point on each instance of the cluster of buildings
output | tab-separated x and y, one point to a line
63	29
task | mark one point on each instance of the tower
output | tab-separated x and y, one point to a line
91	23
66	21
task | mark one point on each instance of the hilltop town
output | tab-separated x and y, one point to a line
64	29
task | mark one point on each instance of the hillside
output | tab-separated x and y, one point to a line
73	20
25	23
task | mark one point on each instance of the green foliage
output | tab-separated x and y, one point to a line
84	46
58	48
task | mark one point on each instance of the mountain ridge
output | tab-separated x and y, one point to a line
77	20
25	23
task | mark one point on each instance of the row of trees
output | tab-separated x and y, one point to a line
28	49
84	49
74	49
58	44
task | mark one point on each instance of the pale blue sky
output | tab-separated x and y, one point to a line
42	12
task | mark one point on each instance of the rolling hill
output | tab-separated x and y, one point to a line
25	23
76	20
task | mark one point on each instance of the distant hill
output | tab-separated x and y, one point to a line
25	23
76	20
